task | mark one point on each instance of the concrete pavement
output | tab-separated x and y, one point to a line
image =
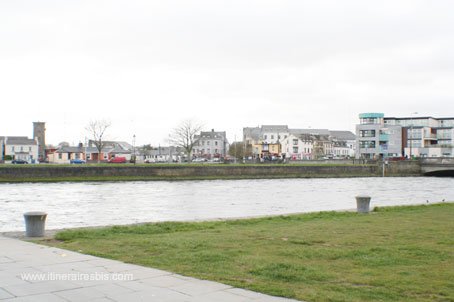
32	272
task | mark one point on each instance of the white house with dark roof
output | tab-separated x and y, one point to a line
211	144
162	154
268	134
344	143
19	147
298	146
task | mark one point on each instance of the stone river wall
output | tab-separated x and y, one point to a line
190	171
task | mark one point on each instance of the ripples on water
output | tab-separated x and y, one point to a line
104	203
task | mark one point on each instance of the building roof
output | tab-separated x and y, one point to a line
95	150
371	115
308	137
164	151
119	150
18	140
310	131
419	118
3	137
114	144
274	128
70	149
343	135
212	134
251	132
305	136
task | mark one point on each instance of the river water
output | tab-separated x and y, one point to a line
106	203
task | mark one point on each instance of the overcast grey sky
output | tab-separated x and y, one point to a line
148	65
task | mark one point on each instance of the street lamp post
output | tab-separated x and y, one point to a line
411	133
134	148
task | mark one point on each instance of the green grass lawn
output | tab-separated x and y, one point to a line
391	254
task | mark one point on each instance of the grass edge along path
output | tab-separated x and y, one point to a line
401	253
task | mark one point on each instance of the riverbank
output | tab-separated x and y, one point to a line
125	172
392	254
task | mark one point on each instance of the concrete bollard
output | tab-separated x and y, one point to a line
34	224
362	204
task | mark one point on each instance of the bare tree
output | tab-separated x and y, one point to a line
185	135
97	131
240	150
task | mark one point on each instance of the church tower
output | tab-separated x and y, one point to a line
39	133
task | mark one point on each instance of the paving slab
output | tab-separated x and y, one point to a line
32	272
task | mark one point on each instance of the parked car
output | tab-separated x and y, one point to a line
118	160
397	158
77	161
199	160
19	161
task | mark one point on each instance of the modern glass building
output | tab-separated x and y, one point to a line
375	139
380	137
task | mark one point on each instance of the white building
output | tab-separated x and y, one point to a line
268	134
298	147
211	144
426	136
344	143
19	147
162	154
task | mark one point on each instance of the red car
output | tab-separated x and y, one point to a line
118	160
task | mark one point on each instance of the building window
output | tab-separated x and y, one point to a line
60	155
414	143
216	143
272	136
295	149
369	120
367	133
367	144
208	143
295	142
265	137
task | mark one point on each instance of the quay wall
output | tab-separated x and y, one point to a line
189	171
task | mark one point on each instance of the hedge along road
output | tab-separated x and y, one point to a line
105	203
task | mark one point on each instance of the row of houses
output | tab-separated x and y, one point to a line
111	149
376	136
299	144
266	141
